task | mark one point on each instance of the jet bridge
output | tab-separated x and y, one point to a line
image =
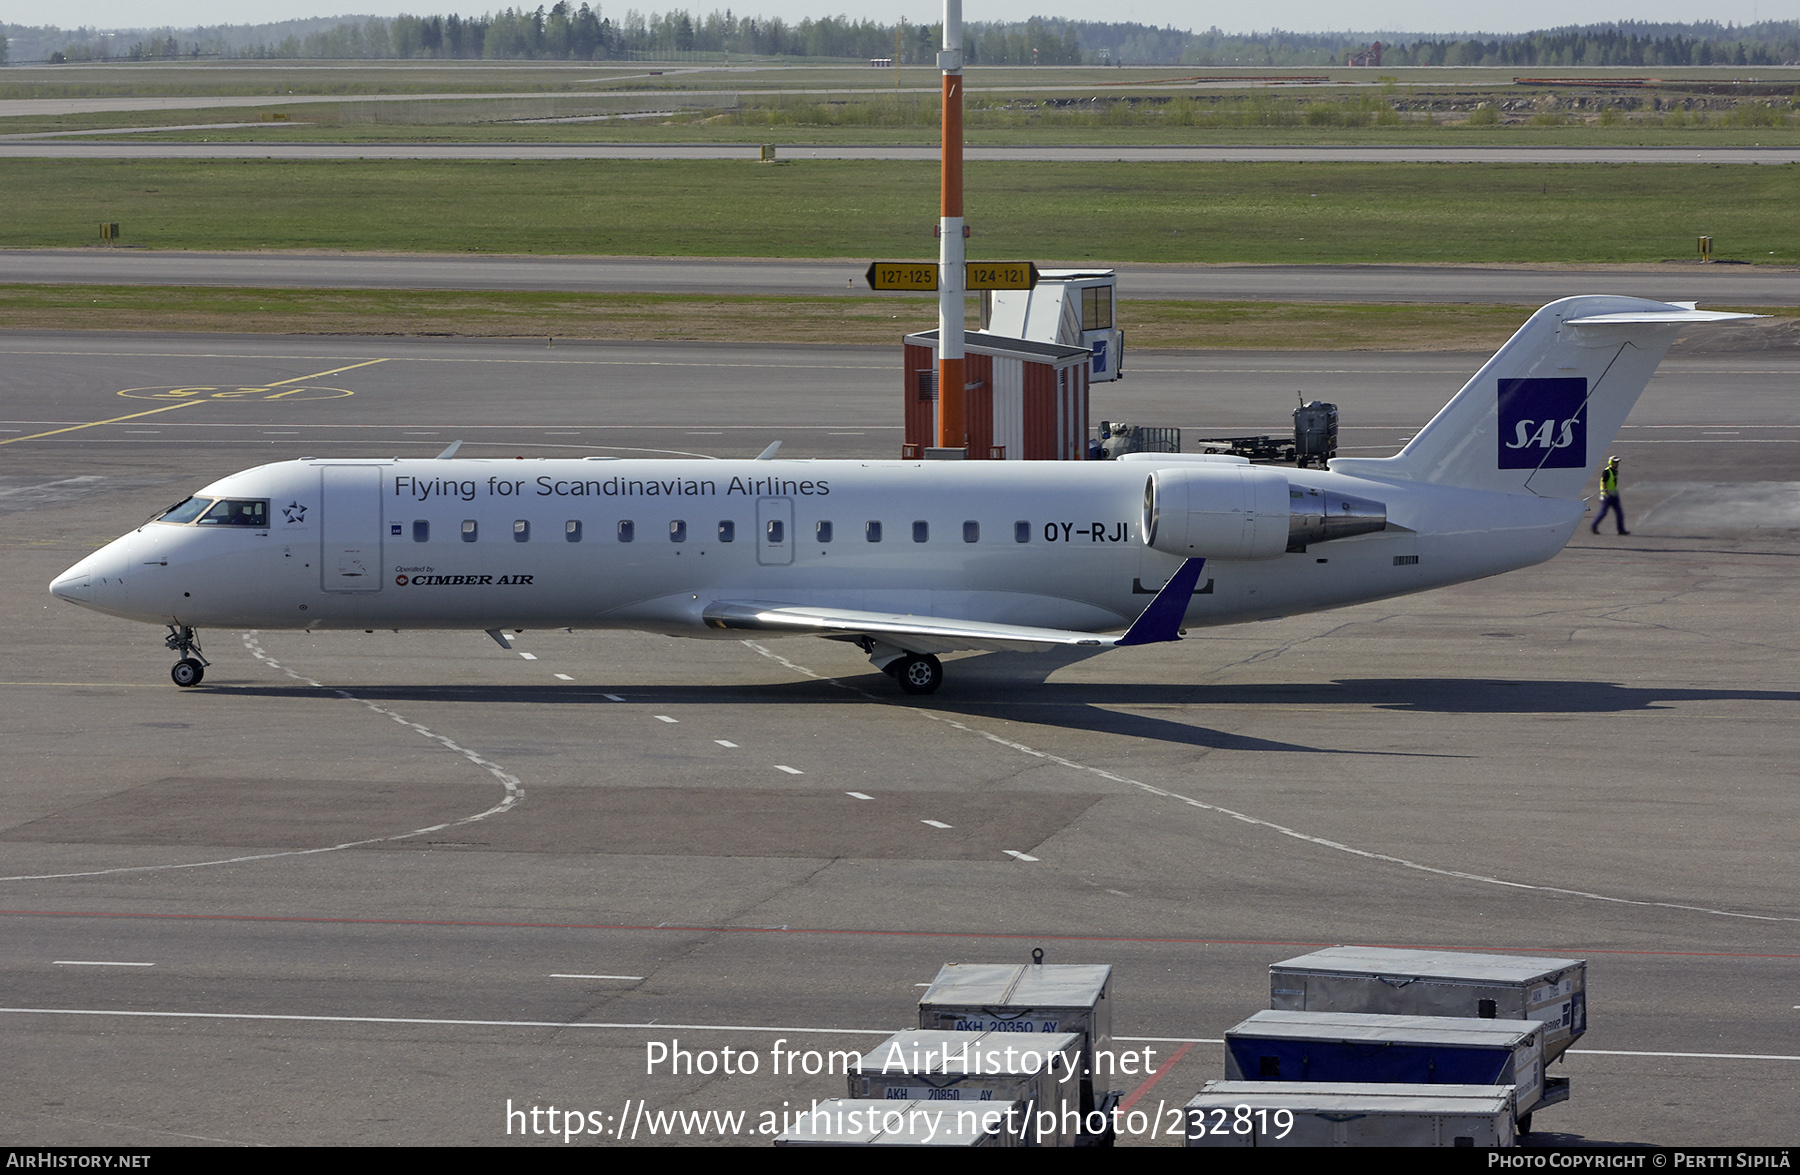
1071	307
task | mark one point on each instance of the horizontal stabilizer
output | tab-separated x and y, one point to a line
1660	317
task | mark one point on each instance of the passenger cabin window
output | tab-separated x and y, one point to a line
421	531
727	531
468	530
872	531
231	512
521	531
971	532
186	510
921	532
822	531
678	531
572	530
627	530
1021	532
777	531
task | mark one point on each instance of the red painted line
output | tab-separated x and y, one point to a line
1131	1098
871	933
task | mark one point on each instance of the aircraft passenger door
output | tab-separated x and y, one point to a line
775	531
350	528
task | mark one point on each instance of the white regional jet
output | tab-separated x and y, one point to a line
907	559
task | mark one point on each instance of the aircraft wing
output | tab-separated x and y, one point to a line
1160	621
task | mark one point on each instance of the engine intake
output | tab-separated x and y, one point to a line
1246	512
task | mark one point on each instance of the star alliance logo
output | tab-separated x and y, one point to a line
294	512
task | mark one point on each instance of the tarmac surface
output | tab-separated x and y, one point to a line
376	888
49	148
1715	285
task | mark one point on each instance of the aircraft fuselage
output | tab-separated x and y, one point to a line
647	544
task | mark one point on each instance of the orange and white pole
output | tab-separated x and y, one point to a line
951	277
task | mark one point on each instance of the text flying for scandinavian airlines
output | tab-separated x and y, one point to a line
424	489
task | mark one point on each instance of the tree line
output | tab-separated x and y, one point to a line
569	32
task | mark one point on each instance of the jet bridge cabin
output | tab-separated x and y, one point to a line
1074	307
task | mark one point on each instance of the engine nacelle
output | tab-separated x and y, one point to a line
1247	512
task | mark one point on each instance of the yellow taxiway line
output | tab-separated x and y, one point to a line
184	404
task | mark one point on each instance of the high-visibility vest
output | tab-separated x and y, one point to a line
1609	481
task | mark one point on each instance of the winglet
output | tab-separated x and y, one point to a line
1161	619
450	452
768	454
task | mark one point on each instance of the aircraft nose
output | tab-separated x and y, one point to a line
98	581
73	585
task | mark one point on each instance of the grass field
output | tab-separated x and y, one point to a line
1149	323
1299	213
368	77
796	104
324	123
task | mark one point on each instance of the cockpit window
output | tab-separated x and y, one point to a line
185	511
236	512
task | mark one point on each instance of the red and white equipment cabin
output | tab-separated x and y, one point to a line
1022	401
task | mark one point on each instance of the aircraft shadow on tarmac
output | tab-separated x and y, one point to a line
1103	708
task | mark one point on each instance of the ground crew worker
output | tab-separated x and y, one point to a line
1609	496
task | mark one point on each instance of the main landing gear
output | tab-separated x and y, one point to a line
917	673
192	667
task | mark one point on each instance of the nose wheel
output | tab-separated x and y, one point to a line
192	667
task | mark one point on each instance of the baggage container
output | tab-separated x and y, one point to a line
1438	983
890	1122
1315	433
1320	1113
1029	997
1366	1048
1038	997
954	1069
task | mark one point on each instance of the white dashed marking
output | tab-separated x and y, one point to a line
666	718
613	697
95	963
1018	854
631	978
725	742
564	677
856	795
935	823
529	656
1281	829
789	770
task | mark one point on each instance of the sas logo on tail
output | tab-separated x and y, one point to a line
1543	424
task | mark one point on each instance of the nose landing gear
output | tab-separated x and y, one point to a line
192	667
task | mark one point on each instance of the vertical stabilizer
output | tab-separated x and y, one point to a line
1540	416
